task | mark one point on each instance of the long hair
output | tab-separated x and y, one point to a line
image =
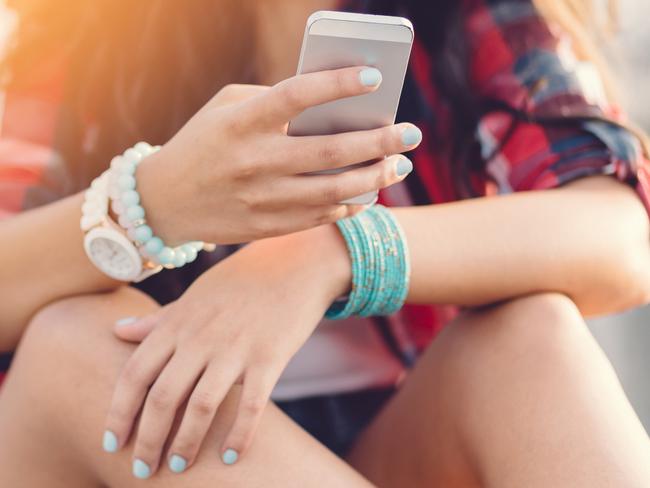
139	70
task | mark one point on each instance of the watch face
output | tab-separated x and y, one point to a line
116	258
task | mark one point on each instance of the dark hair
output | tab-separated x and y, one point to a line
139	70
439	27
141	75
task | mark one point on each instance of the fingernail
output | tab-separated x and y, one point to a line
126	321
177	463
404	166
109	442
141	470
411	136
370	77
229	456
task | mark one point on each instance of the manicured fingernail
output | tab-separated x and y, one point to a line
370	77
229	456
177	463
404	166
126	321
109	442
411	136
141	470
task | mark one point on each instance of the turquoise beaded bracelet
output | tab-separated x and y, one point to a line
125	203
380	265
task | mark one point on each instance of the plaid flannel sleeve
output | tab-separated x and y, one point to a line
519	62
31	172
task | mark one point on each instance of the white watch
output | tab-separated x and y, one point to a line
106	243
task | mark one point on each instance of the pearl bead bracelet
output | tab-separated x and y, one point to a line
125	203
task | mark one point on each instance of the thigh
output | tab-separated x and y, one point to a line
53	405
514	395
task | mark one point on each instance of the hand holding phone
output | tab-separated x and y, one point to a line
335	40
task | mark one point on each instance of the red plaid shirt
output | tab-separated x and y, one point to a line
515	59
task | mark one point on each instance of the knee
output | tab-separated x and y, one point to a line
543	326
545	315
71	333
92	309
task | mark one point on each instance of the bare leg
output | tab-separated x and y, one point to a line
516	395
53	404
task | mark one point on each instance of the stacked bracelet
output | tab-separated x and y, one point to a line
125	203
380	265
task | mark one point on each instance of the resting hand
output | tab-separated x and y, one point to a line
241	321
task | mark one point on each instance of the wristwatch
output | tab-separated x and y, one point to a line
107	245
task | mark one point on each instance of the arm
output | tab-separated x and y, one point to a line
588	240
42	259
247	197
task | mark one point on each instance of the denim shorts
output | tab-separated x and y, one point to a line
337	420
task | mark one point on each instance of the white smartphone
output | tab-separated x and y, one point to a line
335	40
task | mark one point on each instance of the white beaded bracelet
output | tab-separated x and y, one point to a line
125	203
105	243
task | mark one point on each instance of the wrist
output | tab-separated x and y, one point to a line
332	261
318	256
159	198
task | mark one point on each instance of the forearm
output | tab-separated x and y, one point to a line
588	240
42	259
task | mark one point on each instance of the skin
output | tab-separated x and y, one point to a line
201	345
555	254
520	393
246	199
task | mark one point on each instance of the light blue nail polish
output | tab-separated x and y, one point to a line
126	321
229	456
370	77
404	166
177	463
411	136
141	470
109	442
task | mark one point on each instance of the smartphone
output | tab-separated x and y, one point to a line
336	40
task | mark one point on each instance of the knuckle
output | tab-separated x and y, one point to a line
132	374
264	228
266	358
146	444
117	418
290	94
253	406
186	446
160	398
334	192
250	199
330	153
383	176
229	89
245	169
385	142
329	216
233	124
203	404
340	81
230	92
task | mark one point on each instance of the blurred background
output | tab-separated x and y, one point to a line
626	337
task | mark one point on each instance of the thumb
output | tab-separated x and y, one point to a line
135	329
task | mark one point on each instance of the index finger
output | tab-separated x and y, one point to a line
292	96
